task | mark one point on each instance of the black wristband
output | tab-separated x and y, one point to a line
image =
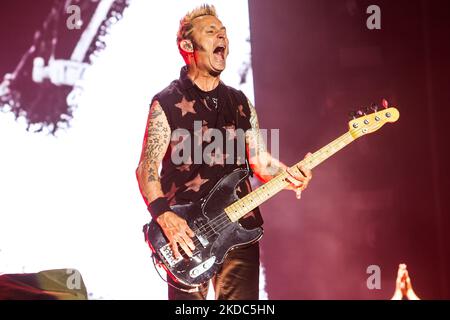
158	206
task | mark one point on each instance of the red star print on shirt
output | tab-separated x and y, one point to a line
185	106
206	133
195	183
241	111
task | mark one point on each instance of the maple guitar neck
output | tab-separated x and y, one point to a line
357	128
263	193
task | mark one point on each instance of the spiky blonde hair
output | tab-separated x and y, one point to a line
187	25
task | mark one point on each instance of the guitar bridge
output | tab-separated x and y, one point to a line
167	253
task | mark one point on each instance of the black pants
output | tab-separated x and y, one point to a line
237	279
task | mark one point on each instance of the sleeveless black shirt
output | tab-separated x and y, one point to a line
207	141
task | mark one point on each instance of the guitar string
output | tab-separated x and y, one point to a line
225	220
343	137
224	216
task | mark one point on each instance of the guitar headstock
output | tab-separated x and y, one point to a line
368	123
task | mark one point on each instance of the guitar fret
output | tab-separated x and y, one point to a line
241	207
248	203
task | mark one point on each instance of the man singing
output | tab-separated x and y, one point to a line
200	97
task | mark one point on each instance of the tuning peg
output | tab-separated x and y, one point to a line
374	107
352	114
385	103
360	113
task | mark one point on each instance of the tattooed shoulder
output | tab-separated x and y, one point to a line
155	110
254	138
158	138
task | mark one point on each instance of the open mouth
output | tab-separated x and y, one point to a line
219	52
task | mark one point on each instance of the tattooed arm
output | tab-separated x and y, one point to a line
156	142
264	165
261	161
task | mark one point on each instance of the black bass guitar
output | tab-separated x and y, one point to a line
214	219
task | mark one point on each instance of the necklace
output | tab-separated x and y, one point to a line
210	99
213	100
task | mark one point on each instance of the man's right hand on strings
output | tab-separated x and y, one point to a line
177	232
